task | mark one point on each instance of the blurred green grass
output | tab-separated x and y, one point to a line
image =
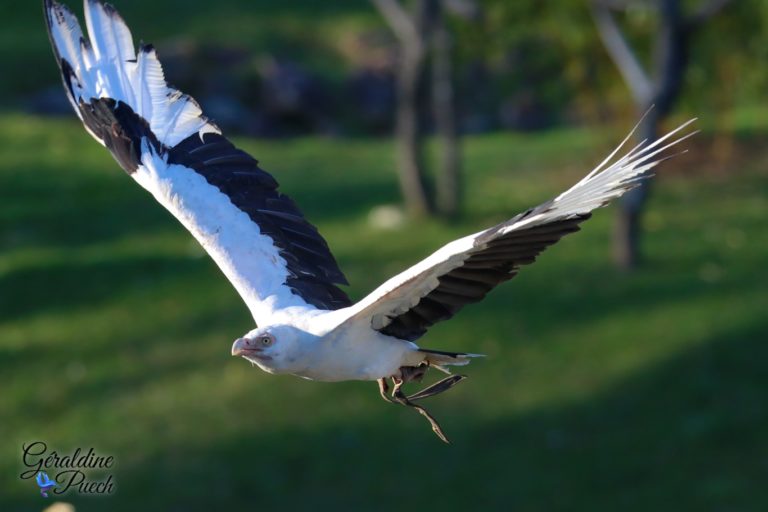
601	391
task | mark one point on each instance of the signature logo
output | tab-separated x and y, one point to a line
71	471
45	483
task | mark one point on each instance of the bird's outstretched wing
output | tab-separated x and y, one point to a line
465	270
159	136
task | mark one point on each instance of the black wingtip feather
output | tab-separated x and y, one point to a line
314	272
496	258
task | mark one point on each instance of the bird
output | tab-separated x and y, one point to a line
45	483
305	323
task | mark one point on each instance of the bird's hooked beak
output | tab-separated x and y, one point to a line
245	347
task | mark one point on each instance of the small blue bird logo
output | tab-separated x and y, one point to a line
45	483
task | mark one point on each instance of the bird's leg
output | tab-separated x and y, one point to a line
399	397
413	373
384	389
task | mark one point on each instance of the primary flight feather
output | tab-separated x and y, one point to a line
275	259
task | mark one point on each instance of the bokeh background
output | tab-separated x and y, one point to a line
604	388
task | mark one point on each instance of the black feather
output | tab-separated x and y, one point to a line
313	271
496	258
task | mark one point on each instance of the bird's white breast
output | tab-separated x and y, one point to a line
357	352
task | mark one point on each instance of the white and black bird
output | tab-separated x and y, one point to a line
276	260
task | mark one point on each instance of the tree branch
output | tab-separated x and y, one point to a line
638	82
705	11
468	9
616	5
401	23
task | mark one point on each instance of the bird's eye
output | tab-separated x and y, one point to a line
266	340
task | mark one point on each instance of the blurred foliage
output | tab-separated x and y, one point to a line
552	48
541	54
302	30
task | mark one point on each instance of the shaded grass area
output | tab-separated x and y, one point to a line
601	391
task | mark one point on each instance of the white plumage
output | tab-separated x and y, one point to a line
109	67
247	258
275	259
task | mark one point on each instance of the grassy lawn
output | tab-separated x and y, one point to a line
601	392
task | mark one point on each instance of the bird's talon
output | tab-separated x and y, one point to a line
399	397
384	389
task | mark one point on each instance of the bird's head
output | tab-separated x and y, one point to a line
274	349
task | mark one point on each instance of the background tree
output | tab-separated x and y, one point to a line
444	109
409	28
422	28
444	103
659	88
